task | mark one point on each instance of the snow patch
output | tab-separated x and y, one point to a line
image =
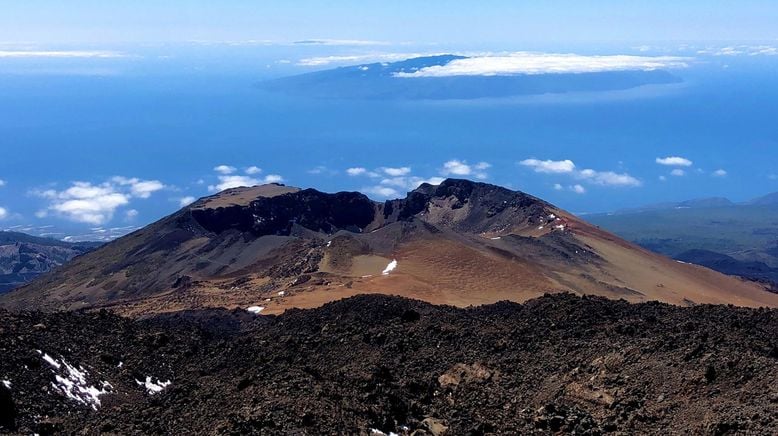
389	268
73	383
552	217
329	243
7	383
281	293
51	361
256	309
495	238
153	387
560	227
377	432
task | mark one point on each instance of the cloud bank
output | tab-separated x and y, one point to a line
545	63
60	54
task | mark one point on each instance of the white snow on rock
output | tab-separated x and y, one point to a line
281	293
72	383
552	217
7	383
256	309
329	243
389	268
152	387
51	361
495	238
377	432
560	227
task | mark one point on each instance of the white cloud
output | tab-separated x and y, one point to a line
356	171
558	186
381	191
462	168
674	161
59	54
144	189
456	167
131	214
186	201
273	178
608	178
603	178
720	173
3	213
678	172
545	63
227	179
402	171
87	203
233	181
663	178
342	42
2	183
224	169
738	50
139	188
549	166
320	61
578	189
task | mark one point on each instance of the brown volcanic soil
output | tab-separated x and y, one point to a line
460	243
556	364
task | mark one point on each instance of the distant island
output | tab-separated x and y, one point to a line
393	81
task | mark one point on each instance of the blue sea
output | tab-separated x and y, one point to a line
174	123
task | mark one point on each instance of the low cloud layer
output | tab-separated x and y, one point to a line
60	54
545	63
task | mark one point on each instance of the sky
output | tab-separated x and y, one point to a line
435	21
114	115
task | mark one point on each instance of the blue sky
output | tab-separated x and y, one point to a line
451	21
114	115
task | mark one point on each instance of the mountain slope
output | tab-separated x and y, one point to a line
766	200
458	243
24	257
555	365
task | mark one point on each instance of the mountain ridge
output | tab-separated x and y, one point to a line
461	242
24	257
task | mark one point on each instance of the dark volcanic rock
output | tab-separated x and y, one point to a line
555	364
314	210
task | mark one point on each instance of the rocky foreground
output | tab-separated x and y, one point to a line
377	364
